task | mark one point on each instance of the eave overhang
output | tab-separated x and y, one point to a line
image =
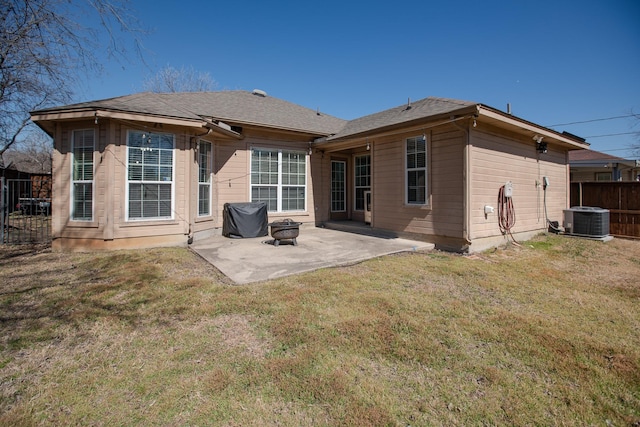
504	120
478	112
46	120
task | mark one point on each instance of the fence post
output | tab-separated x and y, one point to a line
3	208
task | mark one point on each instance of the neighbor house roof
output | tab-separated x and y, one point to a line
592	158
590	155
233	107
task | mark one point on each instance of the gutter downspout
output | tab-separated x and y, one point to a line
466	182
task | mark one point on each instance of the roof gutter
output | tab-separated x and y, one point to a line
222	128
396	129
548	134
96	114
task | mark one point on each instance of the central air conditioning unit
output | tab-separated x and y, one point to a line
586	221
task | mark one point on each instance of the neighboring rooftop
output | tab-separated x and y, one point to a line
592	155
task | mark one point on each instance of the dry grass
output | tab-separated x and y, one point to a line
546	334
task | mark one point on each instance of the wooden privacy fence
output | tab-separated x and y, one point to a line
622	199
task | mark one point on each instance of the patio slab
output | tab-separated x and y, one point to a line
257	259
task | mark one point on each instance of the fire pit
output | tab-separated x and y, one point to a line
285	230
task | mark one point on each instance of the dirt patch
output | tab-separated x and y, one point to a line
238	334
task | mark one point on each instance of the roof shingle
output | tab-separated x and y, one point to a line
230	106
416	110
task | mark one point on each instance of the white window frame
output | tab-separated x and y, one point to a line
344	185
279	185
74	143
364	188
209	177
415	168
150	136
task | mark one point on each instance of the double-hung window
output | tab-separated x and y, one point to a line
82	147
362	179
279	178
204	178
150	179
416	167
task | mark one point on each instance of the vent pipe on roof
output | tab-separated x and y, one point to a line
259	92
508	108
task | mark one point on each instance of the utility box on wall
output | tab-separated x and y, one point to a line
586	221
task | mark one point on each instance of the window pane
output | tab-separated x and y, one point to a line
82	175
338	192
293	198
150	174
266	194
204	195
362	179
416	177
279	172
82	201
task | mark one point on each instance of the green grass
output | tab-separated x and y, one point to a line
545	334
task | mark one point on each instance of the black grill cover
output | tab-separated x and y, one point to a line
245	220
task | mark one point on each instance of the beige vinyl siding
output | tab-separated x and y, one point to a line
231	169
496	160
447	175
443	215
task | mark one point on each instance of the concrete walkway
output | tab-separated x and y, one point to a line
257	259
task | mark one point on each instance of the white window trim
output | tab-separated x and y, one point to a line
344	172
92	182
173	182
355	187
426	174
279	185
210	183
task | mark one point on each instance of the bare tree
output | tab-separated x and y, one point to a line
185	79
45	51
33	153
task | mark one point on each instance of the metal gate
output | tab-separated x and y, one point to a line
25	211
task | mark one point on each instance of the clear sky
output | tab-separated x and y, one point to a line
554	61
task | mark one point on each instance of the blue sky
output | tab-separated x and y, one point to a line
553	61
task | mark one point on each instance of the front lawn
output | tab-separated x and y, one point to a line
543	334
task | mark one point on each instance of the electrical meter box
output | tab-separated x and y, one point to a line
508	189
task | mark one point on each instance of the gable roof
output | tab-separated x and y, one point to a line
404	114
233	107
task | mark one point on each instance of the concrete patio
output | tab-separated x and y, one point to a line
257	259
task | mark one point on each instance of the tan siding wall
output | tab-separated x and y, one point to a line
390	211
496	159
232	168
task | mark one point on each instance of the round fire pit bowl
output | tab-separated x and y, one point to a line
285	230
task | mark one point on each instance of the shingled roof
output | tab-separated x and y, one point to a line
411	111
592	155
233	107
